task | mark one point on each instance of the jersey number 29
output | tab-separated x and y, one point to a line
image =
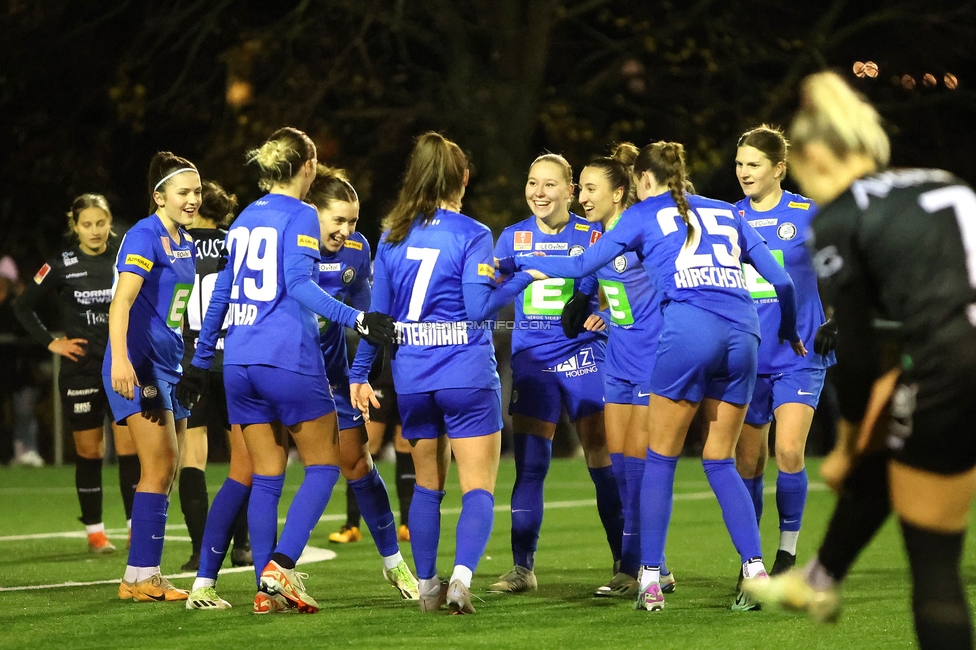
256	249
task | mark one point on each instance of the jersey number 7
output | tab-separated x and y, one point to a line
427	258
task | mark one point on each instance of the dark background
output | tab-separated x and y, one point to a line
90	90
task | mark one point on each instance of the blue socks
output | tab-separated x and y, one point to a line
609	506
262	518
619	466
791	498
148	529
473	527
532	456
656	501
374	504
754	486
630	556
425	530
306	509
737	509
221	520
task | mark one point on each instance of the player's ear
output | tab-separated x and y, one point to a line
467	176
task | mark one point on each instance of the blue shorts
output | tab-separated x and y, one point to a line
458	412
621	391
701	355
801	386
154	394
576	383
259	394
349	417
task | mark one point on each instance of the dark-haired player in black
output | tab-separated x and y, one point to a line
208	230
896	255
82	277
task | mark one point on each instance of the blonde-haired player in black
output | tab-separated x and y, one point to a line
895	246
82	278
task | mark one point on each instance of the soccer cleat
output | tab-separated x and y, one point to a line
403	581
784	562
99	545
155	588
516	581
434	600
206	598
620	586
277	580
459	599
346	535
266	604
651	599
668	584
403	534
241	556
790	591
193	564
743	601
125	590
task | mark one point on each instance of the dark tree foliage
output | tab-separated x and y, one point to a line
90	90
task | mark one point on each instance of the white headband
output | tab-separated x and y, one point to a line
172	174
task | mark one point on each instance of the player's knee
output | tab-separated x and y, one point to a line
789	459
355	467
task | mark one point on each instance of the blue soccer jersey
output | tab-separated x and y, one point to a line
168	268
270	288
345	275
786	229
706	273
635	317
420	283
538	310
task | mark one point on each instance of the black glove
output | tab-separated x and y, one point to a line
192	386
825	339
575	313
377	328
222	262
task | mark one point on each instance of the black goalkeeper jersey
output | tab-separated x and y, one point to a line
210	247
896	257
84	285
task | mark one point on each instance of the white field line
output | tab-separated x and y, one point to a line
122	533
310	555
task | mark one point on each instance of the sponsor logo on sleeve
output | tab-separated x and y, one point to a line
42	273
582	227
486	270
798	205
594	236
355	245
308	242
576	250
523	240
138	260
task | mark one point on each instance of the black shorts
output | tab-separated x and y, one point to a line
211	410
933	420
388	413
83	400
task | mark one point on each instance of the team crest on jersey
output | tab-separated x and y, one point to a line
42	273
594	236
799	205
150	392
68	257
348	275
620	264
355	245
786	231
523	240
576	250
